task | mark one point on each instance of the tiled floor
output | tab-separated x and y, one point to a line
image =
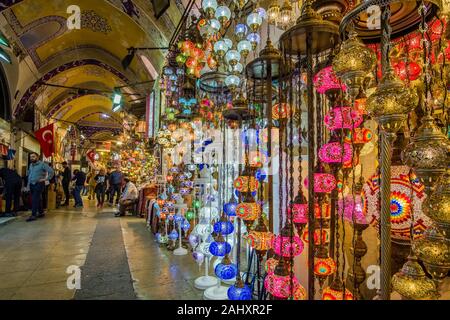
34	257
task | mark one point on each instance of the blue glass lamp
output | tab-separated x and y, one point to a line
220	247
226	270
224	227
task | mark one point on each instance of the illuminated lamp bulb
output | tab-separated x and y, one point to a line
223	226
226	270
209	6
232	57
220	247
246	182
286	246
239	291
335	152
237	69
273	12
232	81
248	210
230	207
214	24
324	266
352	209
281	111
254	39
223	14
343	118
240	30
325	80
260	238
336	291
254	21
220	48
407	70
244	47
323	182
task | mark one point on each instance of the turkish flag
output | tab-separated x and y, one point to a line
45	136
91	155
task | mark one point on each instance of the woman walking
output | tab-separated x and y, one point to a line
100	187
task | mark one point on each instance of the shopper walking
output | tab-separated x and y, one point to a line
38	173
115	181
100	187
80	178
128	197
12	190
92	183
66	178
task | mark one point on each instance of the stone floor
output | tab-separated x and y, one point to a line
118	258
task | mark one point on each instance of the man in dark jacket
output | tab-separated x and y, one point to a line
115	182
66	178
80	178
13	188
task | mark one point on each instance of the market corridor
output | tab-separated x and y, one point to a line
118	259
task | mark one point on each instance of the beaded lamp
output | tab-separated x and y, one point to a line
326	80
223	226
239	291
226	270
260	238
336	291
343	117
335	152
286	246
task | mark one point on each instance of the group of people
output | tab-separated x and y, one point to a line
105	184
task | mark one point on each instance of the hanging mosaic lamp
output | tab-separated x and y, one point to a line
220	247
260	238
281	286
240	30
254	21
254	39
324	266
336	291
281	111
209	6
239	291
353	63
285	245
342	117
220	48
325	80
299	212
428	153
352	206
232	57
226	270
247	181
232	81
412	283
244	46
223	226
230	207
223	14
248	210
437	206
323	182
335	152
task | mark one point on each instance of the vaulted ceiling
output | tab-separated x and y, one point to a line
89	57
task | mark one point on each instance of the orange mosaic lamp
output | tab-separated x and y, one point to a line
336	291
248	210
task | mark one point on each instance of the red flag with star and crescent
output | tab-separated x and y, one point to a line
45	136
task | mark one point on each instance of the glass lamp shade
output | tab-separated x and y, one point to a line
330	293
223	227
204	248
199	257
246	183
232	81
241	30
261	175
209	6
237	68
271	264
223	14
244	47
260	241
220	47
219	248
228	43
326	80
273	12
185	225
173	235
178	218
248	210
286	247
281	111
254	21
232	57
324	267
262	12
323	182
236	292
358	136
280	287
343	118
230	208
286	14
226	271
194	240
214	24
352	209
334	152
254	39
321	237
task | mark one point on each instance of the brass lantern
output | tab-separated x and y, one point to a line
437	206
353	62
391	102
428	153
411	282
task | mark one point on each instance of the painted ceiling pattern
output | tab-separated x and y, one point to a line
89	57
